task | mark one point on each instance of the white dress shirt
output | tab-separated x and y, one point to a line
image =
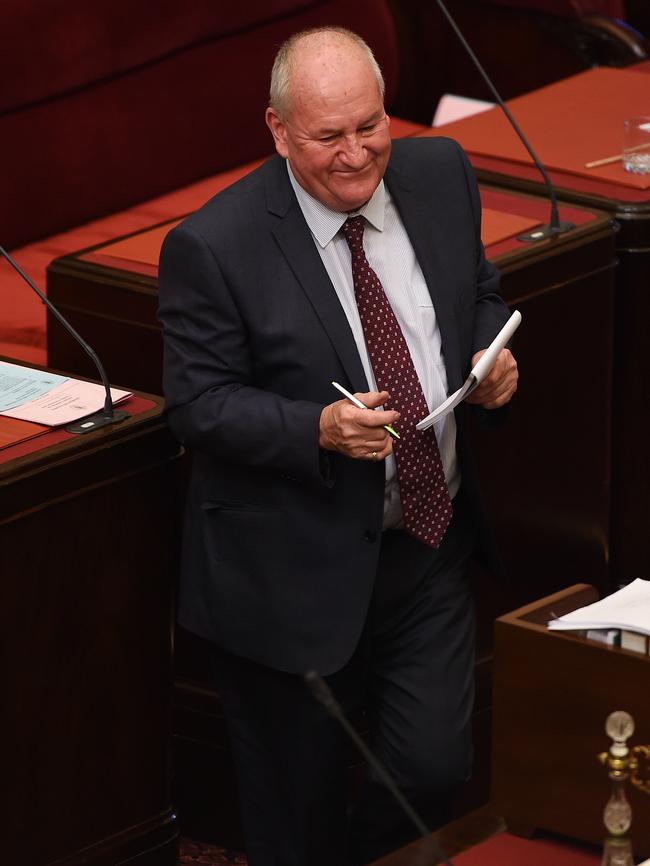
390	254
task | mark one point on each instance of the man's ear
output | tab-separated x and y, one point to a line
278	131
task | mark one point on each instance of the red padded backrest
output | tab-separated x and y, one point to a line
121	103
51	48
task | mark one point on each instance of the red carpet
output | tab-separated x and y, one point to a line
502	849
507	850
208	855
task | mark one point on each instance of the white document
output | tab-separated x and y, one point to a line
477	374
19	385
45	398
627	609
452	107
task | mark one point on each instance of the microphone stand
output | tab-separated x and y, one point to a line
323	694
554	227
108	415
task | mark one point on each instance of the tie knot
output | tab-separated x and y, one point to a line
353	230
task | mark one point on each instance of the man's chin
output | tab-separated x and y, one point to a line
353	199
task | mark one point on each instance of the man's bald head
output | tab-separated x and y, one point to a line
305	53
327	117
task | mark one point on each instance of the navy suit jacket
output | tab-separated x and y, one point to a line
281	539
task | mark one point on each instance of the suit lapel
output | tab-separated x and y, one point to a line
294	239
421	221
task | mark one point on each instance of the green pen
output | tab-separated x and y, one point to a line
360	405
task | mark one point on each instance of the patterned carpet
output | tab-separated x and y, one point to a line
208	855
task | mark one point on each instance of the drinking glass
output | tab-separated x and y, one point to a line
636	145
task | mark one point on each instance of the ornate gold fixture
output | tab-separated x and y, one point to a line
623	764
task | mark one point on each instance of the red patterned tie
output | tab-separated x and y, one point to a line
426	506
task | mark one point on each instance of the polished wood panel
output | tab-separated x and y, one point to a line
552	694
88	544
547	472
630	418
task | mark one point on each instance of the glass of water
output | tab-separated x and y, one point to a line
636	145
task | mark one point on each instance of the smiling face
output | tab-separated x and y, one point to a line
333	129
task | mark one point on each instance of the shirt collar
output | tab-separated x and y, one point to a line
324	223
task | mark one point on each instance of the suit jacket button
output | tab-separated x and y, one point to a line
370	535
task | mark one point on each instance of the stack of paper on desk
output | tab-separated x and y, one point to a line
46	398
628	609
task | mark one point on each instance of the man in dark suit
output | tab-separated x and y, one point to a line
313	540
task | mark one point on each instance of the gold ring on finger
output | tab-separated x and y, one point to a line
373	455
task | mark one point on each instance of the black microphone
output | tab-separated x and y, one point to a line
554	227
323	694
107	415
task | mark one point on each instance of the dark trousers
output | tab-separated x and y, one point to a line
412	674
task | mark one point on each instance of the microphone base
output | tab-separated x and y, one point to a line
95	422
543	233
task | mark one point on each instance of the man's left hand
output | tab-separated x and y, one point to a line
499	385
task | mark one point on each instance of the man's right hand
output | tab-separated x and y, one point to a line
358	433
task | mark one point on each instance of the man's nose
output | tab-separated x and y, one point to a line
353	151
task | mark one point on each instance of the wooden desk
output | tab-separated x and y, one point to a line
87	550
553	692
563	115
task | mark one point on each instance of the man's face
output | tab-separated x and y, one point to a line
335	130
